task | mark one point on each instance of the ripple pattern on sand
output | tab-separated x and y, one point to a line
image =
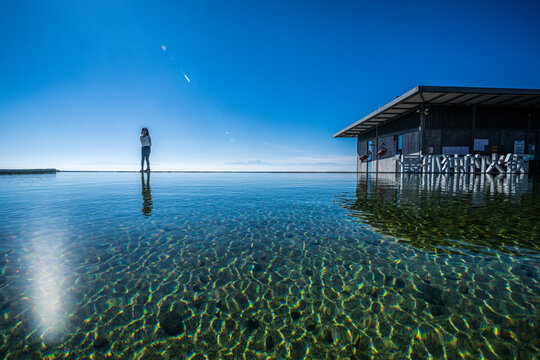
248	267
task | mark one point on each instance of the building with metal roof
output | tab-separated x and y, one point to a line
431	120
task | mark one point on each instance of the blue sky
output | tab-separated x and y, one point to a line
252	85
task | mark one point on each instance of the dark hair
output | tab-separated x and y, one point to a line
147	132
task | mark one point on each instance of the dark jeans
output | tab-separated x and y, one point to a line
145	154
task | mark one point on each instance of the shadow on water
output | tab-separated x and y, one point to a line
444	213
146	195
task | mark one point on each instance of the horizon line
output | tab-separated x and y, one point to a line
53	171
214	171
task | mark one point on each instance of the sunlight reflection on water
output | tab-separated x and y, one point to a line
47	279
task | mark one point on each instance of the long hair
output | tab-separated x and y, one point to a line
147	132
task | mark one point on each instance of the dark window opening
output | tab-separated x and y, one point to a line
398	140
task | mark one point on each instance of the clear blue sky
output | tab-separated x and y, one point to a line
269	83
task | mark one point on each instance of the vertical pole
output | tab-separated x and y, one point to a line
526	150
537	151
422	125
357	154
374	156
473	129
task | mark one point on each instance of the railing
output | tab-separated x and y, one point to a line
456	164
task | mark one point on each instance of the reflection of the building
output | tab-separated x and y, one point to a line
442	212
146	195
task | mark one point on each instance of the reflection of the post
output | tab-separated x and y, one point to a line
433	210
146	195
510	184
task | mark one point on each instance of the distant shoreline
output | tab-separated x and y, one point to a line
27	171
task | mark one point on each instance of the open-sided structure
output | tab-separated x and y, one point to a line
435	120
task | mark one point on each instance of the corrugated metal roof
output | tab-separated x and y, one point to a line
443	95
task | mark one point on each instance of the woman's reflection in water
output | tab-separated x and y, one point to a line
146	195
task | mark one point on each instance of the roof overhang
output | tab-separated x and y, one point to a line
443	95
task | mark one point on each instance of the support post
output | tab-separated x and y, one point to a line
357	154
473	130
537	151
422	126
374	156
526	150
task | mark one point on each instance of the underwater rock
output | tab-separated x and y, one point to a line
252	324
230	324
92	260
374	292
269	343
376	307
437	310
269	295
362	342
222	305
351	303
399	283
5	306
33	341
327	335
327	312
171	322
536	325
297	349
311	327
199	301
52	338
433	344
295	315
452	276
431	294
21	329
100	342
242	300
257	268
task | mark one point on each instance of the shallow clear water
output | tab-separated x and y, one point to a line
256	266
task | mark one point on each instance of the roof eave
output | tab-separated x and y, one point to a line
422	89
405	96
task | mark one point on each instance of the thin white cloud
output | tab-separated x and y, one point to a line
319	163
319	160
249	162
110	163
285	148
189	81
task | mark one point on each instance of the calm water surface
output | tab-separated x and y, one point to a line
269	266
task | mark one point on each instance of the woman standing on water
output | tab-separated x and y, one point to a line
146	142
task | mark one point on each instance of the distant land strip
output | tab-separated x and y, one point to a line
27	171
